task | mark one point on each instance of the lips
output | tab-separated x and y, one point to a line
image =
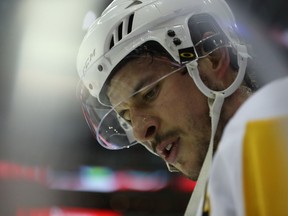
168	149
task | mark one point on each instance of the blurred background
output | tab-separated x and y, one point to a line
50	163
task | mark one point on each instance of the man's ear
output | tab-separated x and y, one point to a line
219	60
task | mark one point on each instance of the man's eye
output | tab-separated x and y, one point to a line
125	116
151	93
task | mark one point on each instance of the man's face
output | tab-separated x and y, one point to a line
170	117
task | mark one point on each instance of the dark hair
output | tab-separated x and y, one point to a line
150	48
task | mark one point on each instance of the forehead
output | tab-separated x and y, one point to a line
135	75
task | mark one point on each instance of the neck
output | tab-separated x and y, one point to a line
230	107
232	103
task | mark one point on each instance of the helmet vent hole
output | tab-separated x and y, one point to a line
120	27
123	29
135	2
130	23
112	42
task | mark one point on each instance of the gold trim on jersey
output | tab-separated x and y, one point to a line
265	167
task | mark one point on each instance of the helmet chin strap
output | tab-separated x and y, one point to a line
215	102
215	106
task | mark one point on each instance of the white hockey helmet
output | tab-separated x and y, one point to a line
177	26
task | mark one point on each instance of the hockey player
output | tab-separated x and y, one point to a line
173	76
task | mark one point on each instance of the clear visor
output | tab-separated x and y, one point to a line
94	112
111	127
107	121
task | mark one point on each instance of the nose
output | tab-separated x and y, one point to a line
144	126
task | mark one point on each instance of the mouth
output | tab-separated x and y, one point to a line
168	149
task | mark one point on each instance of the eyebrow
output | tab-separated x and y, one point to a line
142	83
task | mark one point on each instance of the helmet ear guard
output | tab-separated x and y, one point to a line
199	25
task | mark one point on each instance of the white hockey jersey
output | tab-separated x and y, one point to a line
249	174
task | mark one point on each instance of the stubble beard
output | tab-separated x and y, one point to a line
201	144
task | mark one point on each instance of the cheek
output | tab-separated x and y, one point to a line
190	99
183	105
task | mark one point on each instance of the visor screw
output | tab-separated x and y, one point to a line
90	86
171	33
177	41
100	67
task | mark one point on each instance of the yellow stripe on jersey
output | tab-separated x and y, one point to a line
265	168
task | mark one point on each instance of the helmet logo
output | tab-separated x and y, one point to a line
88	60
187	55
